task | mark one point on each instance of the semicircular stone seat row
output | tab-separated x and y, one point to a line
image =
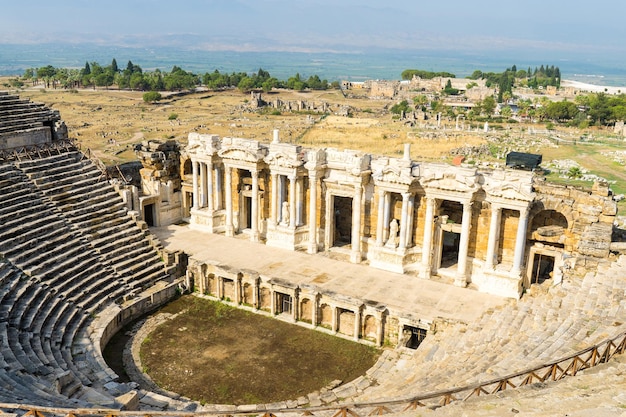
526	333
68	249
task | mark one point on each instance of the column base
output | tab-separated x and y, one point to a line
460	282
229	231
312	249
425	273
355	257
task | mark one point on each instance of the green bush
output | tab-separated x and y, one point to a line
151	96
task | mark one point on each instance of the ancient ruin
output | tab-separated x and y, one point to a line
497	230
78	261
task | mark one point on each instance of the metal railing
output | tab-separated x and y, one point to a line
40	150
553	371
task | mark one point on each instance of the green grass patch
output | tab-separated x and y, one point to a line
215	353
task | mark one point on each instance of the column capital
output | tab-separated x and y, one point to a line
523	211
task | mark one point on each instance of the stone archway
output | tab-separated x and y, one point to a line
548	224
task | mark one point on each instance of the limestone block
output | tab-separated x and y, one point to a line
609	208
129	401
589	210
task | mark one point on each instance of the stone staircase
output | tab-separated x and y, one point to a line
21	114
67	251
546	324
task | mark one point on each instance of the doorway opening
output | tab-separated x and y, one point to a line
413	336
450	249
543	268
284	304
148	214
343	221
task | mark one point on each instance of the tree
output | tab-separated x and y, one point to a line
47	74
246	84
427	75
561	110
488	105
448	90
296	83
269	84
476	75
114	67
599	110
420	101
400	108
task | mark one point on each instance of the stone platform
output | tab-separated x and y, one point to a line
426	299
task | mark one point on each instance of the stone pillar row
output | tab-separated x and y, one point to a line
296	296
208	188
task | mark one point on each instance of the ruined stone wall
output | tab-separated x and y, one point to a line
589	214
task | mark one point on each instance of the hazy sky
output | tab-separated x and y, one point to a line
574	25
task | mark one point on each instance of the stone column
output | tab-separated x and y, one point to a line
330	226
295	306
238	289
230	230
314	309
386	217
274	200
520	242
380	225
494	236
218	188
281	198
334	317
272	301
210	192
255	294
427	249
355	255
203	187
256	237
220	286
357	323
194	169
312	212
409	222
299	200
404	220
461	278
292	201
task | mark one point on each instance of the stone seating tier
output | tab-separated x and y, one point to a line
548	323
60	264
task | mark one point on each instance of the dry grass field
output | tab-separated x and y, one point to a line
110	122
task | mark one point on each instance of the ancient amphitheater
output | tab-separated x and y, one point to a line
533	284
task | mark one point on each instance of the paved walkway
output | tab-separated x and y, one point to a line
424	299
